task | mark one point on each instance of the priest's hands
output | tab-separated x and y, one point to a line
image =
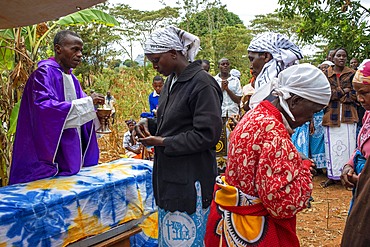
98	98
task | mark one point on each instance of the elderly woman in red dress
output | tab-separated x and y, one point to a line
266	182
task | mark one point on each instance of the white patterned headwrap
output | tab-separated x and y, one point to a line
172	38
304	80
284	52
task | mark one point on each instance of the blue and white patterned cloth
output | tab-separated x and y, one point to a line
62	210
300	138
317	145
182	229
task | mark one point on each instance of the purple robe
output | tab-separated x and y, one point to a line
42	148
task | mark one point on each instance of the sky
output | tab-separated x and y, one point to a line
246	10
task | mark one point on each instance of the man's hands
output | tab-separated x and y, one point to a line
224	85
98	98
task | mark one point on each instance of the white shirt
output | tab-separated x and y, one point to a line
228	105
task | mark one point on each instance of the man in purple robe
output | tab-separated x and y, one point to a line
55	131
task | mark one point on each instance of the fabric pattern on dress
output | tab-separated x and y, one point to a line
263	163
300	138
317	146
339	145
181	229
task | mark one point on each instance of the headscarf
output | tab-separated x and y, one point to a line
304	80
284	52
172	38
248	90
235	73
327	63
362	75
130	121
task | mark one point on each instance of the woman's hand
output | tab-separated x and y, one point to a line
348	177
152	141
141	129
312	128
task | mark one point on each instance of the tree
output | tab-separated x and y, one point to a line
337	23
136	25
274	22
210	20
222	33
231	42
98	50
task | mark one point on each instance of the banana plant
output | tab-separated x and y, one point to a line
19	51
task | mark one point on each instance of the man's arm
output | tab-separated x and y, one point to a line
82	110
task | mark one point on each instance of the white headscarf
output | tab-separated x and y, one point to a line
235	73
172	38
327	63
304	80
284	52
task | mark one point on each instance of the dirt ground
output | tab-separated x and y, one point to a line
323	223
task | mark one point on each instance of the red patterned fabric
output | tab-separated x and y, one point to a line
263	162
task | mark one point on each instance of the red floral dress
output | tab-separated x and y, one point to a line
263	163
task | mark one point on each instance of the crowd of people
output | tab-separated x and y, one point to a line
276	132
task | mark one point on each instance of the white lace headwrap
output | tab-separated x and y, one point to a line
284	52
304	80
327	63
172	38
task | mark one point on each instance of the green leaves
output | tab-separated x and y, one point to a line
338	23
87	16
13	119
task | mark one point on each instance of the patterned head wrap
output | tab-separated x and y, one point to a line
304	80
172	38
362	75
284	52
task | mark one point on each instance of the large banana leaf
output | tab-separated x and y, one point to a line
88	16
